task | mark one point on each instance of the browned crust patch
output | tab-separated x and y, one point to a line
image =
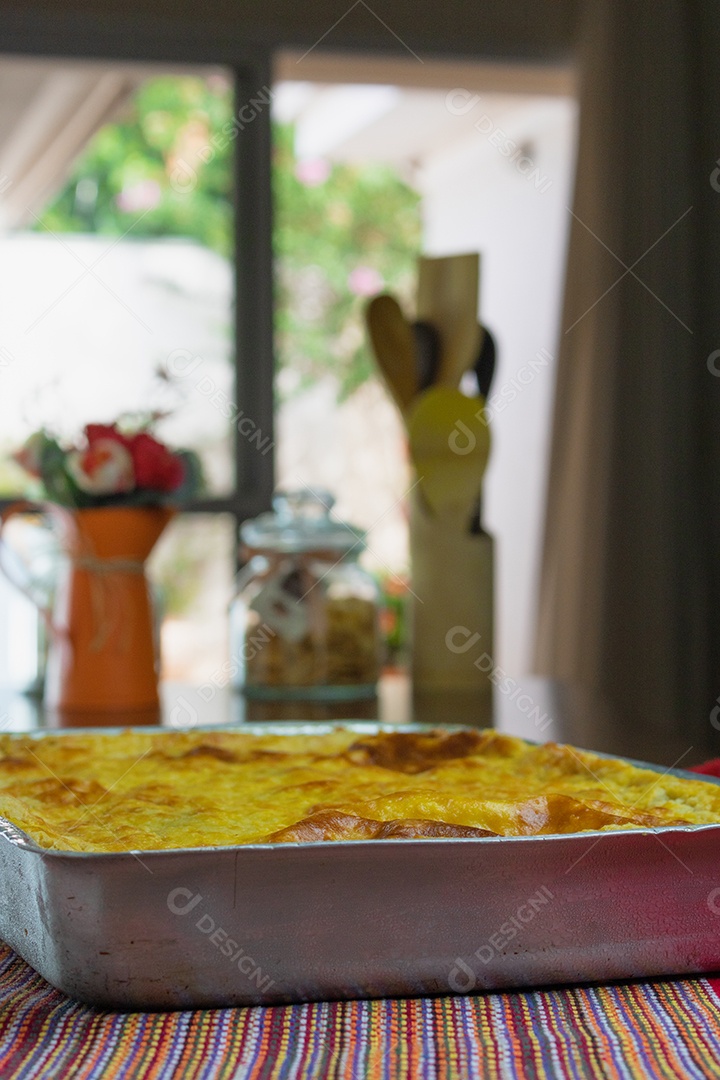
335	825
416	752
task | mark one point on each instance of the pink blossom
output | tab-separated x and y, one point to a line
312	171
105	468
145	195
365	281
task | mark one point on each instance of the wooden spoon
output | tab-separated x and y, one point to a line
449	444
447	297
393	343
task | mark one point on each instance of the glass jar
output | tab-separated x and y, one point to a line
305	620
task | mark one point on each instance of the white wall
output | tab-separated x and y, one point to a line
476	197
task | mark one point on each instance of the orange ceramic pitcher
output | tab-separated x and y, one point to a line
102	654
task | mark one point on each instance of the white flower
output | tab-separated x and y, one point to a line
105	468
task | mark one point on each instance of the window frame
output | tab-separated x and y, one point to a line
253	289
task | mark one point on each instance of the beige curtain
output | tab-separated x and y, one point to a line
629	596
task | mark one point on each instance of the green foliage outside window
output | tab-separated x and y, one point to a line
122	180
341	232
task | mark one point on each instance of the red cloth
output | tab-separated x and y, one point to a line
709	768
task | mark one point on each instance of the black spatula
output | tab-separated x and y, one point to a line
484	370
485	364
427	353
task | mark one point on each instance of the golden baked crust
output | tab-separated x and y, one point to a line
147	791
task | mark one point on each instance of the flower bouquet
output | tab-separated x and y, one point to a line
109	466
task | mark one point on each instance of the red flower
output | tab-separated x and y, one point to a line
156	467
93	432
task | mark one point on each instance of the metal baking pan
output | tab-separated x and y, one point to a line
268	923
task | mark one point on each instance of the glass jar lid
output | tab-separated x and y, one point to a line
301	521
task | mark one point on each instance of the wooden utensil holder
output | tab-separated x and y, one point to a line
452	618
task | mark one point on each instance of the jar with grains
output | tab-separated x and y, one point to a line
305	620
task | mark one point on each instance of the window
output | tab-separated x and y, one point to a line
120	251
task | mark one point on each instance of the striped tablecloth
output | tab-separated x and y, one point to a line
658	1029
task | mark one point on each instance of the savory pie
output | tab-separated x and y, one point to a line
139	790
